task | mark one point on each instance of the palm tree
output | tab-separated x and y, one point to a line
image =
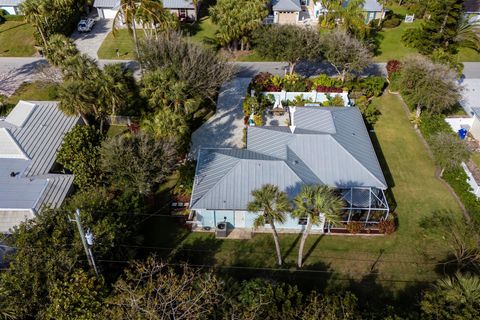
77	97
353	20
166	124
468	34
6	311
315	203
112	88
129	11
271	205
35	14
59	49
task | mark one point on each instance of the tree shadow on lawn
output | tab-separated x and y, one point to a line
381	299
386	171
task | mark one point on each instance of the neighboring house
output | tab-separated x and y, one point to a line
308	11
327	146
372	10
106	9
183	9
29	139
11	6
286	11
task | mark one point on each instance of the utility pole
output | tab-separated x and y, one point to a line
87	240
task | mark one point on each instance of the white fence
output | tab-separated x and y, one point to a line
471	181
314	96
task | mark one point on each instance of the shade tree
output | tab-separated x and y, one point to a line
449	151
346	54
287	43
428	86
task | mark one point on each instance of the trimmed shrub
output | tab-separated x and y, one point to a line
457	179
393	22
433	124
387	226
370	86
354	227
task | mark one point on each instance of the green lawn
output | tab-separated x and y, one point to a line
122	41
36	91
202	33
411	254
16	39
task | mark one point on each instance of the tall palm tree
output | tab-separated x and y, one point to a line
129	12
34	12
168	124
353	19
468	34
59	49
78	97
315	203
112	88
271	205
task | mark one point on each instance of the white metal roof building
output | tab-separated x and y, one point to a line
325	146
29	139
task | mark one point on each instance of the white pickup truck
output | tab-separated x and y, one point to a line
85	25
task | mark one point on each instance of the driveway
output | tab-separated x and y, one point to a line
225	128
90	42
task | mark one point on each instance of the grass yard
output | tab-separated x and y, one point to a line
400	260
16	39
122	41
36	91
390	43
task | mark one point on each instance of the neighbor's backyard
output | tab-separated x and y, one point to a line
16	38
409	255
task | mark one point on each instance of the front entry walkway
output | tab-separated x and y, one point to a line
225	128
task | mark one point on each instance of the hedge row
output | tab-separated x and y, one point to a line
457	179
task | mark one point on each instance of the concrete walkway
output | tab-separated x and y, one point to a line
225	128
90	42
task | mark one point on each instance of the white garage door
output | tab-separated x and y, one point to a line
109	13
10	10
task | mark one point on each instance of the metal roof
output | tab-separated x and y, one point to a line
42	129
178	4
106	3
337	152
368	5
226	178
10	3
471	6
286	5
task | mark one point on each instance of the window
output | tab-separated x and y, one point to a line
302	221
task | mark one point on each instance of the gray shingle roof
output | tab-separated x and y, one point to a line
37	128
336	152
286	5
178	4
10	3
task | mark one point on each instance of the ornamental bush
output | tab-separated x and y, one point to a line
79	154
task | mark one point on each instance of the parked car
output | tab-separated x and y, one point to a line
86	25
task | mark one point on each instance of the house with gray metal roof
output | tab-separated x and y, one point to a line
107	9
11	6
325	146
29	139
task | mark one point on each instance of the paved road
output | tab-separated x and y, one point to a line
90	42
225	128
